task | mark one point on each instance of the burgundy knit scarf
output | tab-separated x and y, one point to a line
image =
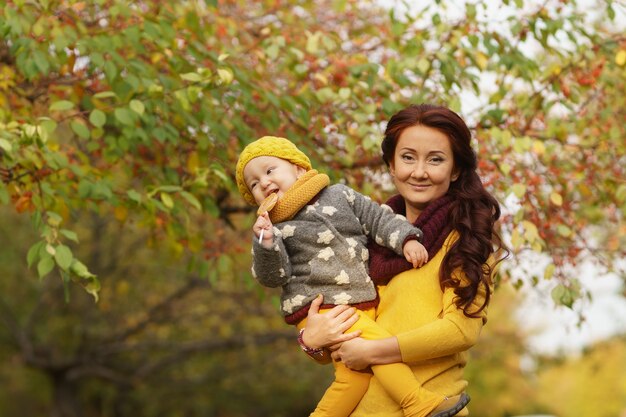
384	263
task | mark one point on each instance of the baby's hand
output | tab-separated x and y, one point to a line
264	224
415	253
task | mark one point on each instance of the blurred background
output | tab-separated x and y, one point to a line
125	248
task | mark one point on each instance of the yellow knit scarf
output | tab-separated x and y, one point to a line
301	192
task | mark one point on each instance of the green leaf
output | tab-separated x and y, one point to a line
105	94
191	76
102	190
6	145
53	219
80	129
169	188
33	253
61	105
79	269
41	62
69	234
134	196
191	199
124	116
137	106
93	288
44	266
63	257
97	118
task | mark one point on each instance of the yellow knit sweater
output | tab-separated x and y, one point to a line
434	335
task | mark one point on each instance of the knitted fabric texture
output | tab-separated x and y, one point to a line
298	195
433	221
323	250
268	146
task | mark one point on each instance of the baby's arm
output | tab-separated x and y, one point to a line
415	253
387	228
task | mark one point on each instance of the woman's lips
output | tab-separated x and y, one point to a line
419	187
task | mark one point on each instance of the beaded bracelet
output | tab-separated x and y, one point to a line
309	351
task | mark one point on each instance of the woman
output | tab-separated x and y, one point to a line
435	312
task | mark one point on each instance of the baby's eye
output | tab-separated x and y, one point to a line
269	170
252	185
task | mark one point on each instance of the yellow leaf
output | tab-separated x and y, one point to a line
516	239
50	249
312	42
481	60
154	58
226	76
556	199
193	162
120	213
585	191
538	147
167	200
519	190
321	78
620	58
530	231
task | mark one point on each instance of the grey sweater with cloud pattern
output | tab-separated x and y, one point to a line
323	250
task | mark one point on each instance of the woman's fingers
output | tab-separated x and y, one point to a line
336	311
348	321
315	305
349	336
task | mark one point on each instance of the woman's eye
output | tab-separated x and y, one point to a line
407	157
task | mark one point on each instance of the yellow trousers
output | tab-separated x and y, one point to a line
349	386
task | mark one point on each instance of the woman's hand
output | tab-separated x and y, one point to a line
323	330
359	353
353	354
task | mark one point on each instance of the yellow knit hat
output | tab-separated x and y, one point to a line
268	146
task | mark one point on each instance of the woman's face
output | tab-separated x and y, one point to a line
422	167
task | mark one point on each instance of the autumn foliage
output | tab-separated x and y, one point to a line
125	109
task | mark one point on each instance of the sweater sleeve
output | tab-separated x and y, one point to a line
452	333
271	266
380	223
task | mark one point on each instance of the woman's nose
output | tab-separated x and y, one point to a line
418	171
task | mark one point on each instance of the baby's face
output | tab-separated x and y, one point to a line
268	174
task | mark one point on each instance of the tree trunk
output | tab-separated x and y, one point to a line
65	397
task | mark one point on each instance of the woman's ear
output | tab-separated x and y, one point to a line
455	175
392	169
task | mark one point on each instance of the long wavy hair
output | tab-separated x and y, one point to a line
473	212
